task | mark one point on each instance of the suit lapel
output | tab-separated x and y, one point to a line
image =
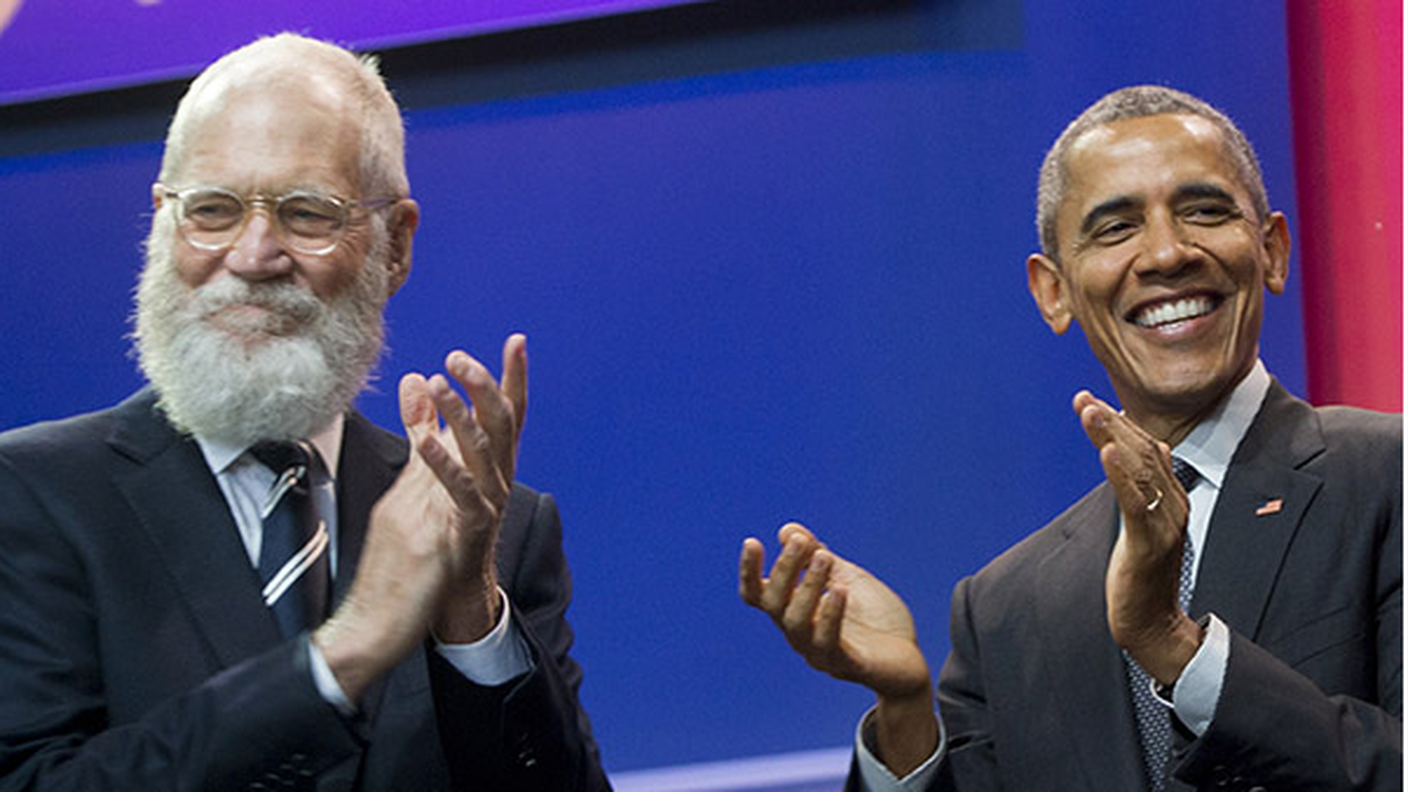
1245	548
1086	668
181	508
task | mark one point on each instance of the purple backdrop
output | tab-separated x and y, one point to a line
54	47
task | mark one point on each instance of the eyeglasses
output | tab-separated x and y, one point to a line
212	218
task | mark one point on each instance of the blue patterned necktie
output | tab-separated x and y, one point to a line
1153	716
293	558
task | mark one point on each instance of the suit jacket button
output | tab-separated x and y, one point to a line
527	757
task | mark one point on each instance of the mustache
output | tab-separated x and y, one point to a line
284	300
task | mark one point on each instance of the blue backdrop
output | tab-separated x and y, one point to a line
753	293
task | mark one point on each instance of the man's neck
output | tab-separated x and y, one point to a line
1176	421
220	454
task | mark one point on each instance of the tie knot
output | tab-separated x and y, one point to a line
1186	475
280	456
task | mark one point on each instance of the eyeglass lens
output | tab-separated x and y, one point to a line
213	219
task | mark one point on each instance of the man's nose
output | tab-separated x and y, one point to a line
258	253
1166	247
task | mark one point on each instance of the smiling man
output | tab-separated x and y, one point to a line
232	580
1225	611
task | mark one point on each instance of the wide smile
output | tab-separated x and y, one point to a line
1169	314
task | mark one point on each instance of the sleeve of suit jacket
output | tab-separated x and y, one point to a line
542	739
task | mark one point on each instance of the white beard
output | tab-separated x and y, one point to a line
308	361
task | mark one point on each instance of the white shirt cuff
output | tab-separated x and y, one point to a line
1196	693
876	777
328	688
494	659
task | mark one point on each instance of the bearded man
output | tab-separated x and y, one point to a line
232	580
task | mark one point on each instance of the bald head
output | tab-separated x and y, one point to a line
314	71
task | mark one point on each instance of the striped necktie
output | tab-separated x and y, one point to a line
293	558
1153	716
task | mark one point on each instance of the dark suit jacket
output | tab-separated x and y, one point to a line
1034	694
136	654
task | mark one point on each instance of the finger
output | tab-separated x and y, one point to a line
497	437
1137	463
430	462
1082	399
1095	417
777	589
422	402
1127	489
1154	505
459	419
791	529
417	409
470	439
460	465
419	418
457	482
798	617
827	635
1139	457
515	380
750	572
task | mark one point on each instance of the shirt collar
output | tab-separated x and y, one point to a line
220	456
1211	444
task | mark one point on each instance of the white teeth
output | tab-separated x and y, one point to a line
1167	313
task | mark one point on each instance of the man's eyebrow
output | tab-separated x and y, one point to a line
1203	190
1121	203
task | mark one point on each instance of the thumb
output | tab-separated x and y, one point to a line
418	414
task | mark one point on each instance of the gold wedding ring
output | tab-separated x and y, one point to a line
1158	498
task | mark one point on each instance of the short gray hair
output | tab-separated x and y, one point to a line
1138	101
381	130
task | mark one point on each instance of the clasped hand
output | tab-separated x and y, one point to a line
428	561
1141	581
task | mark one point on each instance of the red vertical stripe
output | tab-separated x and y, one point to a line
1346	63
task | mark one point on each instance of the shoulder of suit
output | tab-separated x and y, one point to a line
526	505
65	438
1089	518
1361	427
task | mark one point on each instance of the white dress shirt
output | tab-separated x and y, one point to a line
494	659
1208	449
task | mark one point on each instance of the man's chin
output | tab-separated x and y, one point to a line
1185	391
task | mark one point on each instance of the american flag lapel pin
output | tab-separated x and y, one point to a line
1272	506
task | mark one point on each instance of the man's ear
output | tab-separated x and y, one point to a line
1276	239
1048	289
401	230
